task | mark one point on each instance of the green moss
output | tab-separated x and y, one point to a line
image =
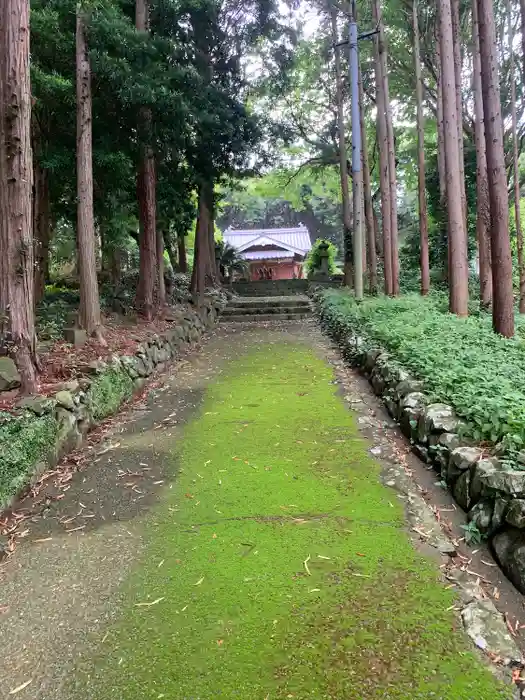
24	441
108	391
280	563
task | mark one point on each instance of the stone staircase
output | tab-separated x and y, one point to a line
259	309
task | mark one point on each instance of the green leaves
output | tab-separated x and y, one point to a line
461	361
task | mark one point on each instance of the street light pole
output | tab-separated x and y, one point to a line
357	173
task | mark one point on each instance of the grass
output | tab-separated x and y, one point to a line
278	565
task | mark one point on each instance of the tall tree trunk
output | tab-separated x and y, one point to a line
115	266
161	297
391	149
147	236
170	248
423	222
343	171
384	176
87	256
146	195
522	14
515	160
17	320
502	305
456	38
181	249
457	239
41	228
203	274
210	203
442	170
482	185
367	192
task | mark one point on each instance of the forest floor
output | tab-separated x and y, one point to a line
233	538
60	361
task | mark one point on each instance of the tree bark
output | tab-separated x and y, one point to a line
384	176
502	305
181	248
482	185
522	14
457	239
367	192
423	222
343	170
456	38
90	318
203	274
147	236
391	149
115	266
17	320
161	295
146	196
41	229
442	170
515	161
211	231
168	245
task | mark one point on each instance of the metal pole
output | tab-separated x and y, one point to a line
357	173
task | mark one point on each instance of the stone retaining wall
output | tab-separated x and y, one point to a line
485	485
44	429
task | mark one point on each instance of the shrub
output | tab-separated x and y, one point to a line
461	361
313	259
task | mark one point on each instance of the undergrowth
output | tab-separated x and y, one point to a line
461	360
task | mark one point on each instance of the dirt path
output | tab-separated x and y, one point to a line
232	538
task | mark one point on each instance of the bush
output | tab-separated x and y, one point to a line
461	361
313	259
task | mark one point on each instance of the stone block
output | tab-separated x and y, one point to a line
509	547
75	336
516	513
65	399
9	376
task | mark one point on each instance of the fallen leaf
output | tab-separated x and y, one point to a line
20	687
149	604
220	642
305	562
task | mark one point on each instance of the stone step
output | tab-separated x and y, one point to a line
246	318
267	310
268	303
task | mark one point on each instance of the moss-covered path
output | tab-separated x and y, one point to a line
273	563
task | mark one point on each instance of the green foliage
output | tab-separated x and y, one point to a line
314	257
472	534
108	391
461	361
230	260
24	441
